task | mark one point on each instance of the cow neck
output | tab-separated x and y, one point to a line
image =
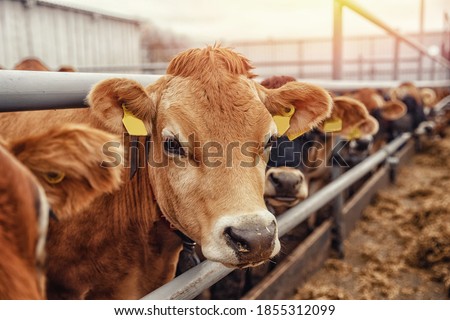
138	202
188	258
137	152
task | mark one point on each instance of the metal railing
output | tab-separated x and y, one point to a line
38	90
27	90
194	281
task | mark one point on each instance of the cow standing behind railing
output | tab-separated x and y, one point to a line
207	94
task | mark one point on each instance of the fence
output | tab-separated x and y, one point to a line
25	90
47	90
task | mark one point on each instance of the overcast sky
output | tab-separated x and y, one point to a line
220	20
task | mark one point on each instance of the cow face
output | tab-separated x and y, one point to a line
389	110
70	164
284	188
211	130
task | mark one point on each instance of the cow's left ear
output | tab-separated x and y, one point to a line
311	105
108	100
393	110
354	117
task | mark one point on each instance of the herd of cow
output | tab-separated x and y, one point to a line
85	214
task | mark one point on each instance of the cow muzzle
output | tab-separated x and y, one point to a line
243	241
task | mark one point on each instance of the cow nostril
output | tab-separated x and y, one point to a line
275	181
236	240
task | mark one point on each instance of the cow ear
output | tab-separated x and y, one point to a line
393	110
108	98
354	116
75	164
428	96
368	126
311	105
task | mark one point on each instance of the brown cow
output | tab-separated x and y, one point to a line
385	112
65	163
66	69
207	99
24	214
31	64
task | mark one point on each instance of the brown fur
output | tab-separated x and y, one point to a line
77	152
353	115
21	276
31	64
130	250
275	82
390	110
407	88
66	69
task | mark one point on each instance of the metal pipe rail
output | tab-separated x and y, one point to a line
441	104
38	90
191	283
42	90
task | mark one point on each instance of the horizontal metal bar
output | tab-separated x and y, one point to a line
37	90
191	283
416	45
442	103
345	85
136	67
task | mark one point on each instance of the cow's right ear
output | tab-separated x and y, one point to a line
393	110
108	97
355	118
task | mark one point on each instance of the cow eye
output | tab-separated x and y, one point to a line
54	177
271	141
173	146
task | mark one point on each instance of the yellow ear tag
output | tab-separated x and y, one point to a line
354	134
295	136
134	125
332	125
282	122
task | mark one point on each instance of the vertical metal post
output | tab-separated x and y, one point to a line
337	40
360	67
433	70
396	58
337	205
300	59
421	38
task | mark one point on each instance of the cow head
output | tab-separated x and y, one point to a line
211	130
71	164
354	118
31	64
390	110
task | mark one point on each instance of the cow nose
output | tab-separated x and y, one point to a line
252	243
285	182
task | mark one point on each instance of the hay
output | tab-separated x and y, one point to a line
401	247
